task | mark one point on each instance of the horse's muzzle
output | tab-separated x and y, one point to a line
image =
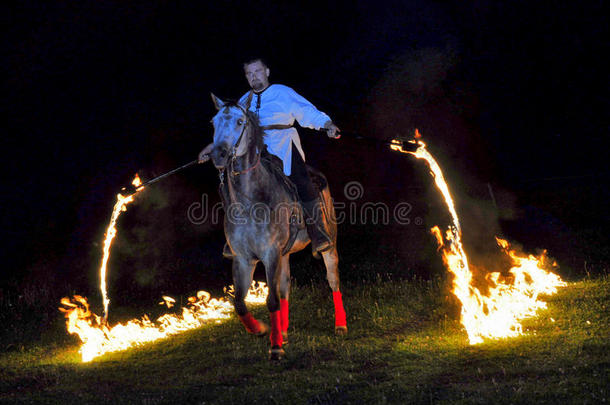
220	155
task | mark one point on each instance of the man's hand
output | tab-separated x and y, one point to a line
204	155
332	130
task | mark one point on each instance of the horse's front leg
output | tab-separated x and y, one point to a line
243	270
284	295
331	261
273	271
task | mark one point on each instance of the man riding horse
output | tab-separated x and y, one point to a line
277	108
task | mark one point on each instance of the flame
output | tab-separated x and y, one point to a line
499	312
119	206
99	338
136	181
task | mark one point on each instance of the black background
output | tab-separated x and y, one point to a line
510	96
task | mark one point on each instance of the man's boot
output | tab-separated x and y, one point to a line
314	220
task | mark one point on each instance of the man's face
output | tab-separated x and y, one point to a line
257	75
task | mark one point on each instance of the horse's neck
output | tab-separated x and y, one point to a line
253	180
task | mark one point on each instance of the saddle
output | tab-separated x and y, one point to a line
275	166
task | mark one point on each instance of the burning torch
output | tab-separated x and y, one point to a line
132	189
401	143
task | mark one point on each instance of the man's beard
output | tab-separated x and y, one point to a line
257	86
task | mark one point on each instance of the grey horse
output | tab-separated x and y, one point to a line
263	221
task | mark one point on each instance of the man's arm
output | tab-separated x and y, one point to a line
306	114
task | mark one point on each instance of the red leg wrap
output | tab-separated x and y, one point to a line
284	314
339	311
276	334
250	323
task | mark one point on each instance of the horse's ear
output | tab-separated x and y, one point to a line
218	103
248	100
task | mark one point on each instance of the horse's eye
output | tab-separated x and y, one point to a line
240	122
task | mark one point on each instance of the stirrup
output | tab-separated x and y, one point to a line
321	245
226	252
320	240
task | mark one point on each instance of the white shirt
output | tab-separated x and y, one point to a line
280	104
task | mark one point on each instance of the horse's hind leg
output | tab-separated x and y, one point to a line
284	295
331	261
243	270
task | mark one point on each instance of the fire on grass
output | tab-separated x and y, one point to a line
98	337
498	312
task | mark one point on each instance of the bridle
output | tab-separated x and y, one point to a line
233	155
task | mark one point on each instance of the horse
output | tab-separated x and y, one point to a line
261	221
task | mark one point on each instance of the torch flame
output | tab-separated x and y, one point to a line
99	338
119	206
136	181
499	312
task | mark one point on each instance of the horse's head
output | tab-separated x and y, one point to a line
231	131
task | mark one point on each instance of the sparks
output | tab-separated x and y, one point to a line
499	312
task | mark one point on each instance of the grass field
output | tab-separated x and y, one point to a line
405	345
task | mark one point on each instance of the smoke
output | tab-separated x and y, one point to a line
409	89
480	219
158	249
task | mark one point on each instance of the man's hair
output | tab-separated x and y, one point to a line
254	60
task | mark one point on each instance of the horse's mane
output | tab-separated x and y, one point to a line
257	132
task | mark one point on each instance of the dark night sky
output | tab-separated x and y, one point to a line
97	90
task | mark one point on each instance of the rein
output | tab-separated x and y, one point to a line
237	173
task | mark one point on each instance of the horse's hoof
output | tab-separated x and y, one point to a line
276	353
285	338
263	329
340	330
